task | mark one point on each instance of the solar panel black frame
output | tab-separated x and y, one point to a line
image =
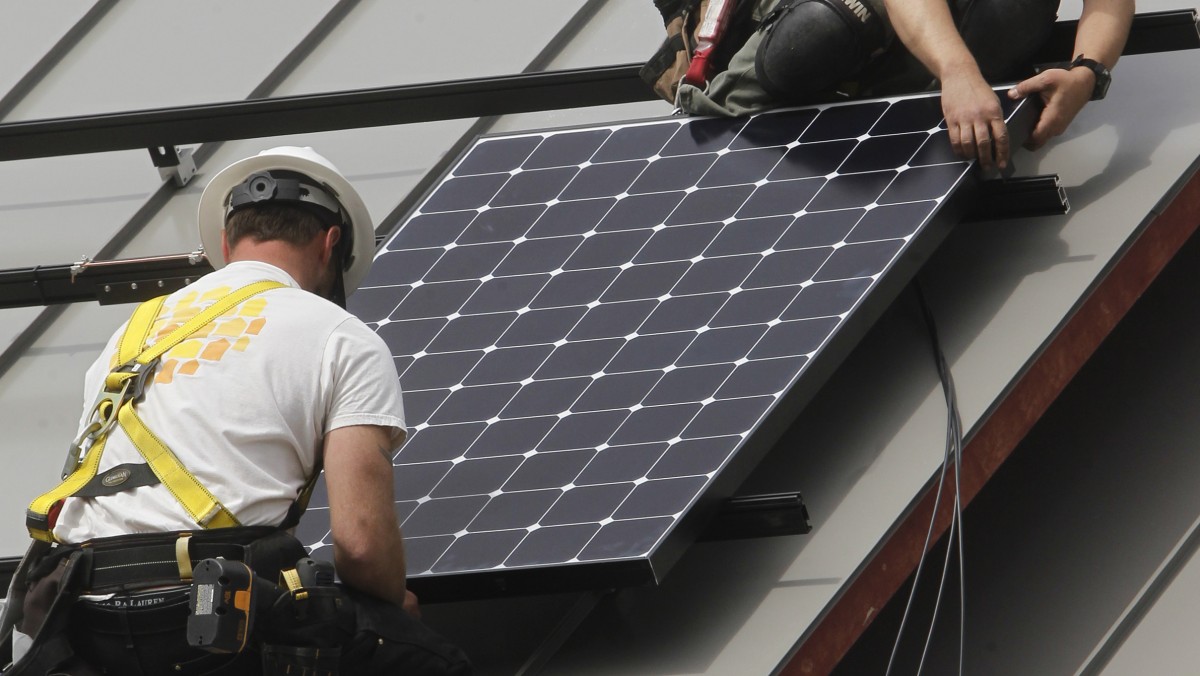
899	115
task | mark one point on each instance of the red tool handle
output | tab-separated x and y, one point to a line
712	28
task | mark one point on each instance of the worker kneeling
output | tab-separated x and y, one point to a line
809	46
167	547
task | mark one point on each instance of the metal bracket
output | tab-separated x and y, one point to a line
755	516
174	164
1019	198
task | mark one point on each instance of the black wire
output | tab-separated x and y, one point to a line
952	455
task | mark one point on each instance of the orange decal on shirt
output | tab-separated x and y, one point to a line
212	342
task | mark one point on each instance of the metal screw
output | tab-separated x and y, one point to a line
160	284
107	288
133	286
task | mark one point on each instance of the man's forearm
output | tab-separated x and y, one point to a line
1103	28
382	573
367	547
927	29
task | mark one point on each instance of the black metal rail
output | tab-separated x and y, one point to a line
1020	197
108	283
553	90
279	116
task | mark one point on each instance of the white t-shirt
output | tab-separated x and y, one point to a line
245	404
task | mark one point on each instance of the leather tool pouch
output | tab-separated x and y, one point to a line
665	70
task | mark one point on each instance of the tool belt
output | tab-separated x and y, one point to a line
668	66
132	562
124	564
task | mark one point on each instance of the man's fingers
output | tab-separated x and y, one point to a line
1028	87
1039	135
986	141
1000	134
956	140
983	144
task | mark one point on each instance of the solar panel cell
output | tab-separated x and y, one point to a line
694	457
621	390
784	197
773	129
617	464
622	539
513	510
748	236
497	156
475	551
561	150
602	180
549	470
511	437
545	397
556	543
588	504
571	218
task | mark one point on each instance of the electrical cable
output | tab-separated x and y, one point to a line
952	455
937	501
955	446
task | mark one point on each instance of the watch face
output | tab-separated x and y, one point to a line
1103	77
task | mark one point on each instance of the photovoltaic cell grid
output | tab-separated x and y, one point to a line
590	323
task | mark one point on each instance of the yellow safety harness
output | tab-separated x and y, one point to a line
122	388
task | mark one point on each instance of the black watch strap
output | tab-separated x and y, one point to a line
1103	75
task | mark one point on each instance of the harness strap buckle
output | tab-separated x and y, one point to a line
117	392
136	384
75	450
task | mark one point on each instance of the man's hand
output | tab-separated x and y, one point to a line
1064	93
975	120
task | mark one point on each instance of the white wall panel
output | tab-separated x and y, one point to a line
385	43
41	399
29	30
155	53
622	32
54	210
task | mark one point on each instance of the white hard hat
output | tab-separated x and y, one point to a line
215	204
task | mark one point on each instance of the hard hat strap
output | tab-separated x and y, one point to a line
267	186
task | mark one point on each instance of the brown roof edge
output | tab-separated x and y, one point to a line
844	621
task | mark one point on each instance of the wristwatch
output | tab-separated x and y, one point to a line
1103	74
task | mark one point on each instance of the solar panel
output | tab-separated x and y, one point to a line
601	330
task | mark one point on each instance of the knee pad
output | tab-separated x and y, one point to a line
809	46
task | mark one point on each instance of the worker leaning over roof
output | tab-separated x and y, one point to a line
219	405
777	52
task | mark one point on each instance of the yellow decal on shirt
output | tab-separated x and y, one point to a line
233	330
